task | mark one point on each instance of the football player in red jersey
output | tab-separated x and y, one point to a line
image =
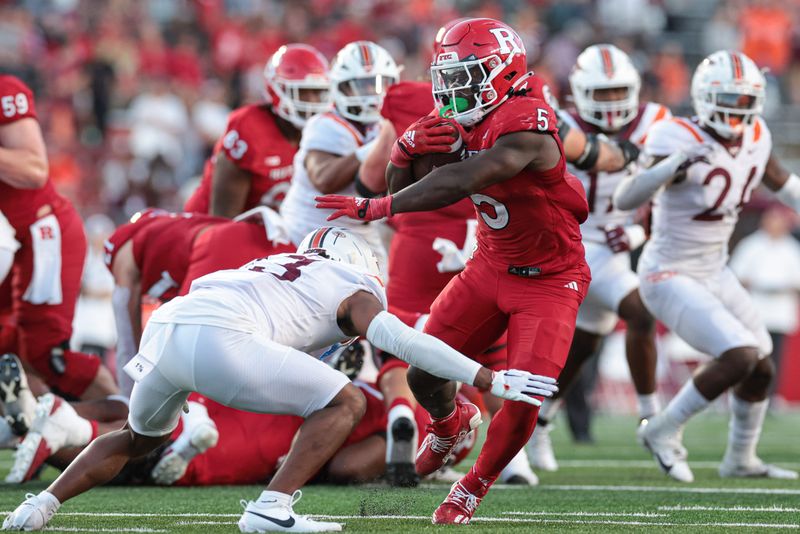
252	163
45	277
528	274
430	248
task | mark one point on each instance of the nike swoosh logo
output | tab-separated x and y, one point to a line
285	523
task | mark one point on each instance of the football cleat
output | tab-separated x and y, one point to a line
273	512
445	474
665	445
173	463
33	513
540	449
755	469
518	471
438	446
19	402
55	426
401	444
458	508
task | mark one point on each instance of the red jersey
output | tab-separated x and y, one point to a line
254	143
229	245
22	206
533	219
162	245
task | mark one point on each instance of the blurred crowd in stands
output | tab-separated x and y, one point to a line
133	93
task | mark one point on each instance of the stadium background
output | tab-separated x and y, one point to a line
132	94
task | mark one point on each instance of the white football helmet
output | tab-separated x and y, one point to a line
605	66
361	73
728	92
340	244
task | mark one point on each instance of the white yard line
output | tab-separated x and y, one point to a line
647	489
587	514
79	529
693	508
631	464
571	521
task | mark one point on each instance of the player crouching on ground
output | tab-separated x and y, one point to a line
249	338
703	171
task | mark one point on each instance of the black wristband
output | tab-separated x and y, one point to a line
362	190
629	150
591	153
563	127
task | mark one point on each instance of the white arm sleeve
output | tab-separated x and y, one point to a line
789	194
388	333
126	345
635	190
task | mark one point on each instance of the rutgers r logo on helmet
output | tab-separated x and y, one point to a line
505	38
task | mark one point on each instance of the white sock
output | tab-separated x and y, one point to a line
517	466
52	503
649	405
197	415
267	497
8	440
549	409
688	402
747	418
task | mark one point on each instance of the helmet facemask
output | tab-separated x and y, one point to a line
300	100
608	107
463	90
360	99
729	112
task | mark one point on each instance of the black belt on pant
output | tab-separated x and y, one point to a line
525	272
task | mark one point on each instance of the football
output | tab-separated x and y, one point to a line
424	164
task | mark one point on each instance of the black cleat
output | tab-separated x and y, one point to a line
402	446
15	395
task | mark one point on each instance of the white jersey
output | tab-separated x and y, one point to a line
7	239
599	187
291	299
693	219
327	132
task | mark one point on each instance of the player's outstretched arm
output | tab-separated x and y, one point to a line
785	184
362	314
371	176
633	191
329	172
448	184
23	157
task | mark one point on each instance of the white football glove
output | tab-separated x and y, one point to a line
518	385
453	259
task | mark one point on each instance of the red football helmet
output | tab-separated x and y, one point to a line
437	40
478	65
297	83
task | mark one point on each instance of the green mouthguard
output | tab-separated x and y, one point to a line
461	104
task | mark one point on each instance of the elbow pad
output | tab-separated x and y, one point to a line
629	150
563	127
362	189
591	152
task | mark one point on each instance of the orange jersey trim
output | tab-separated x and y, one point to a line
690	128
350	128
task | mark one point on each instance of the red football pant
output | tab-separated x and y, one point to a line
539	313
41	327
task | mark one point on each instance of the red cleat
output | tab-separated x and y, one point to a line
458	508
444	435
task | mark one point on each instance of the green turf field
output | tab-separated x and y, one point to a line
609	487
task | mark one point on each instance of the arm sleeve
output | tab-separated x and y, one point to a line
789	194
126	345
633	191
388	333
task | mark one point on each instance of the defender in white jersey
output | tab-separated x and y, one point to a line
605	88
334	144
248	338
703	170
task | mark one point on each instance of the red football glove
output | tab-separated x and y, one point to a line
430	134
361	209
616	239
